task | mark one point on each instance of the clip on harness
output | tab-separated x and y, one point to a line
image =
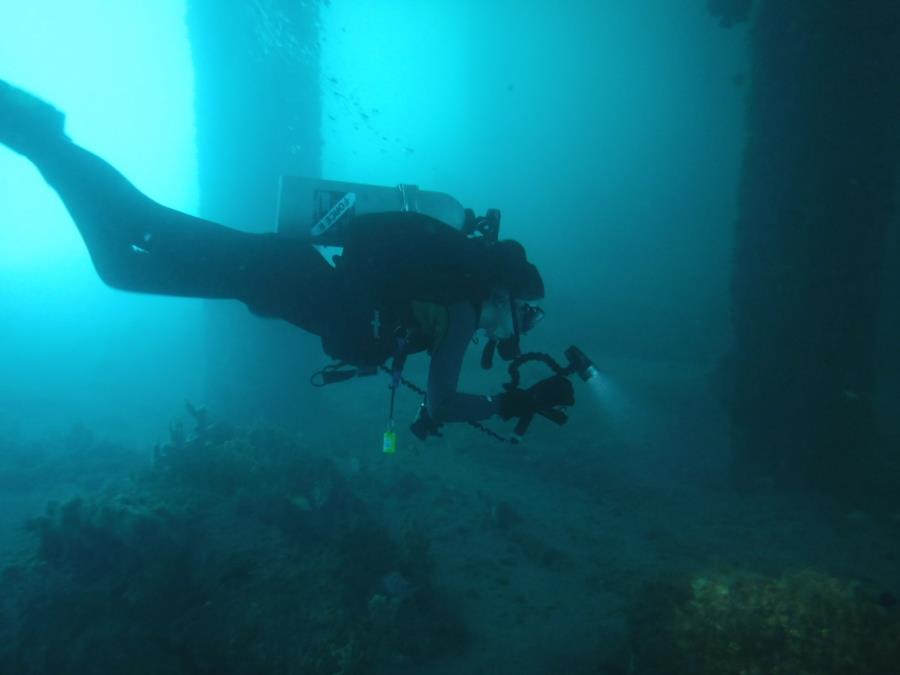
389	445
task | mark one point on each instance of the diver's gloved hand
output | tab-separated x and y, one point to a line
545	395
27	122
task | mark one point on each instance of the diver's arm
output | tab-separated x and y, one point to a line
445	404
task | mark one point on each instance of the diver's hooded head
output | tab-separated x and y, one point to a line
510	281
508	268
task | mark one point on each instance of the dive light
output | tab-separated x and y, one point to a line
581	364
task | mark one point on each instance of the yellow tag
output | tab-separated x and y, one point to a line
389	446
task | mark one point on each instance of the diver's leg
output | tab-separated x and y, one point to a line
139	245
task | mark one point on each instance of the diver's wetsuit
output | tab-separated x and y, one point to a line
139	245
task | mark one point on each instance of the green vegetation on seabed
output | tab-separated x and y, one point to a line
238	552
740	623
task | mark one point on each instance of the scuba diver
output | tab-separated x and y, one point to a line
404	283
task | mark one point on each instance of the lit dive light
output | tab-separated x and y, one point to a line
581	364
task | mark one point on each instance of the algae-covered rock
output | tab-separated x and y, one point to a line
741	623
239	552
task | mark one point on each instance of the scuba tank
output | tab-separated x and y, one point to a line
320	210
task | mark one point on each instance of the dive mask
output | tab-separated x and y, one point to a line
525	317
